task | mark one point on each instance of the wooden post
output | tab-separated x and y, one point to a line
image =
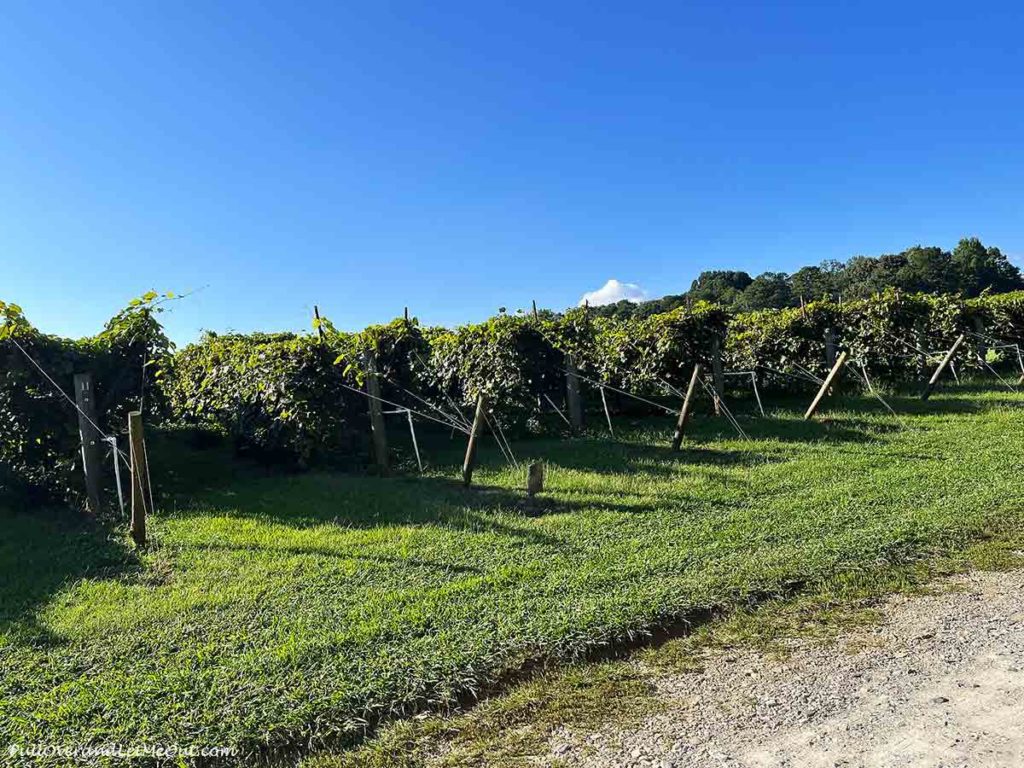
479	420
979	328
830	347
140	475
572	394
406	315
90	436
942	366
684	413
829	381
535	479
319	326
922	345
717	374
535	315
380	438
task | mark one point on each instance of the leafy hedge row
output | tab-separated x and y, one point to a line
39	441
292	395
897	338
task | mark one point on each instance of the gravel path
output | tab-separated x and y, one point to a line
939	683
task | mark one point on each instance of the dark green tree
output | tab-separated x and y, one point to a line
981	269
768	291
720	286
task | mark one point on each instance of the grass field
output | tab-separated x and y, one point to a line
282	613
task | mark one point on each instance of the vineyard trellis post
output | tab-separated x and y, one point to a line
377	429
572	394
684	413
942	367
141	495
830	347
833	375
979	333
90	436
475	431
318	322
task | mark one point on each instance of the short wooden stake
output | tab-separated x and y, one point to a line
90	436
380	438
535	479
535	315
479	422
717	374
833	375
684	413
942	367
140	478
572	394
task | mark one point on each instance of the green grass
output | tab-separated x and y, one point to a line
287	612
517	727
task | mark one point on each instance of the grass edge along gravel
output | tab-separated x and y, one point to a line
515	726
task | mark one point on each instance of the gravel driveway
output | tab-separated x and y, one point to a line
938	683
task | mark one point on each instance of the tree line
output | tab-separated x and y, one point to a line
969	270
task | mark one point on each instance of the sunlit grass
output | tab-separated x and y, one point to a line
289	611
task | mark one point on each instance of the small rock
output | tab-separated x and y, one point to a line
939	700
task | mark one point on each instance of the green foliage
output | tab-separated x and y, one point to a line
39	440
510	360
898	338
639	355
277	395
291	396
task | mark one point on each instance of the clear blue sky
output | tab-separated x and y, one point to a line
458	157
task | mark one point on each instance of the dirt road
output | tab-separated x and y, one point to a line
939	683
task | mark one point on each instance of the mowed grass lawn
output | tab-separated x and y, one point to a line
286	611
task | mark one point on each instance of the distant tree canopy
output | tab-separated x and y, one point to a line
969	270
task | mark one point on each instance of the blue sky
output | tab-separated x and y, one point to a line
458	157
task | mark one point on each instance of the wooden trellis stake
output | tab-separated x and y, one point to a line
827	384
479	420
942	367
684	413
91	458
319	324
141	495
572	394
380	437
717	373
979	329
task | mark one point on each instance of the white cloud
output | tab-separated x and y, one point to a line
614	291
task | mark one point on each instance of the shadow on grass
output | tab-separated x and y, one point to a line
40	554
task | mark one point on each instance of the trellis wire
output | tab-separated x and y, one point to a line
412	431
753	382
557	410
422	415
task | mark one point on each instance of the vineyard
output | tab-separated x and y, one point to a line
292	592
299	399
